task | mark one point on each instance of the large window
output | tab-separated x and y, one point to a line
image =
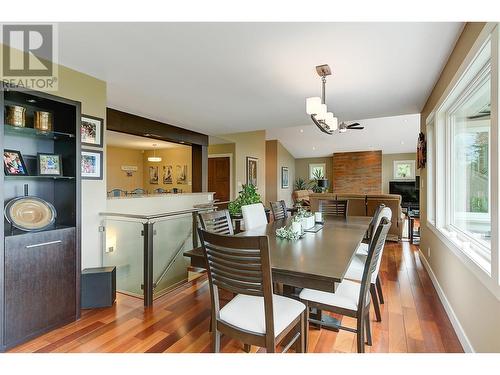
460	136
469	136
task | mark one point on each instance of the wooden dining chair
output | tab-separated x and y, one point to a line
256	316
254	215
216	222
351	298
332	207
278	210
117	193
357	266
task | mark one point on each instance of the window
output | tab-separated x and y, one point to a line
404	169
459	140
317	171
470	125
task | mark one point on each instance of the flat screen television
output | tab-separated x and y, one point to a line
408	190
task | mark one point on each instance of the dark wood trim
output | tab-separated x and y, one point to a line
199	161
131	124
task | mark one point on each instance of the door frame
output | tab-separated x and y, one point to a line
231	182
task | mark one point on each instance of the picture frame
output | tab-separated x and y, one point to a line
404	170
13	163
153	174
421	151
49	164
91	131
317	166
181	174
252	170
284	178
167	174
91	164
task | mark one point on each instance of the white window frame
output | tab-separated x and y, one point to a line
438	175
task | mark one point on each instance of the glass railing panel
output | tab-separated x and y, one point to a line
123	248
173	236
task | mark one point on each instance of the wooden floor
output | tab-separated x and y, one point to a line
413	320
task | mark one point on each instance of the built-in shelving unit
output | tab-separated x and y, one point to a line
40	271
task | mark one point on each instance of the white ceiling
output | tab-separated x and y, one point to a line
392	135
136	143
220	78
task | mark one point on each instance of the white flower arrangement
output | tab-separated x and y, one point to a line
287	233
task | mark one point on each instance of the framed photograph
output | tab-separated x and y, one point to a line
284	178
49	164
404	170
153	175
252	165
421	151
316	170
181	174
91	131
91	162
167	174
13	163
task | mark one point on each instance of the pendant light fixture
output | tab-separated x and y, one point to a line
316	106
154	158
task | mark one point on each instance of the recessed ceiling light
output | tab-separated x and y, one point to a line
402	142
314	148
302	130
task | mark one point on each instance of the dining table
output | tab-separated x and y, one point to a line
317	260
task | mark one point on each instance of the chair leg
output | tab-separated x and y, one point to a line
360	339
376	306
216	340
301	347
306	328
247	348
368	329
379	290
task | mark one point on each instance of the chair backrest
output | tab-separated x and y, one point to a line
332	207
385	213
239	265
138	191
374	254
254	215
117	193
371	228
279	210
216	222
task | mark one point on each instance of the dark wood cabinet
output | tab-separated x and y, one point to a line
40	271
40	275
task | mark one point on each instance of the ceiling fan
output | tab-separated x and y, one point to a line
343	127
317	109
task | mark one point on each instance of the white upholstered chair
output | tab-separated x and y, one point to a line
351	298
256	316
357	266
254	215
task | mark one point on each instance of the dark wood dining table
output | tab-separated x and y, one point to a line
317	260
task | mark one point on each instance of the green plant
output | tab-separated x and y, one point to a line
248	195
301	184
317	175
287	233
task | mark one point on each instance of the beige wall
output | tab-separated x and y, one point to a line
388	167
302	168
277	156
226	149
180	155
118	179
475	307
248	144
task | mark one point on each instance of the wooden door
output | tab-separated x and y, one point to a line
219	178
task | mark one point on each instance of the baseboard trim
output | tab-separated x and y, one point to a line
462	337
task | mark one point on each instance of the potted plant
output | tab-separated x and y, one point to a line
320	183
248	195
